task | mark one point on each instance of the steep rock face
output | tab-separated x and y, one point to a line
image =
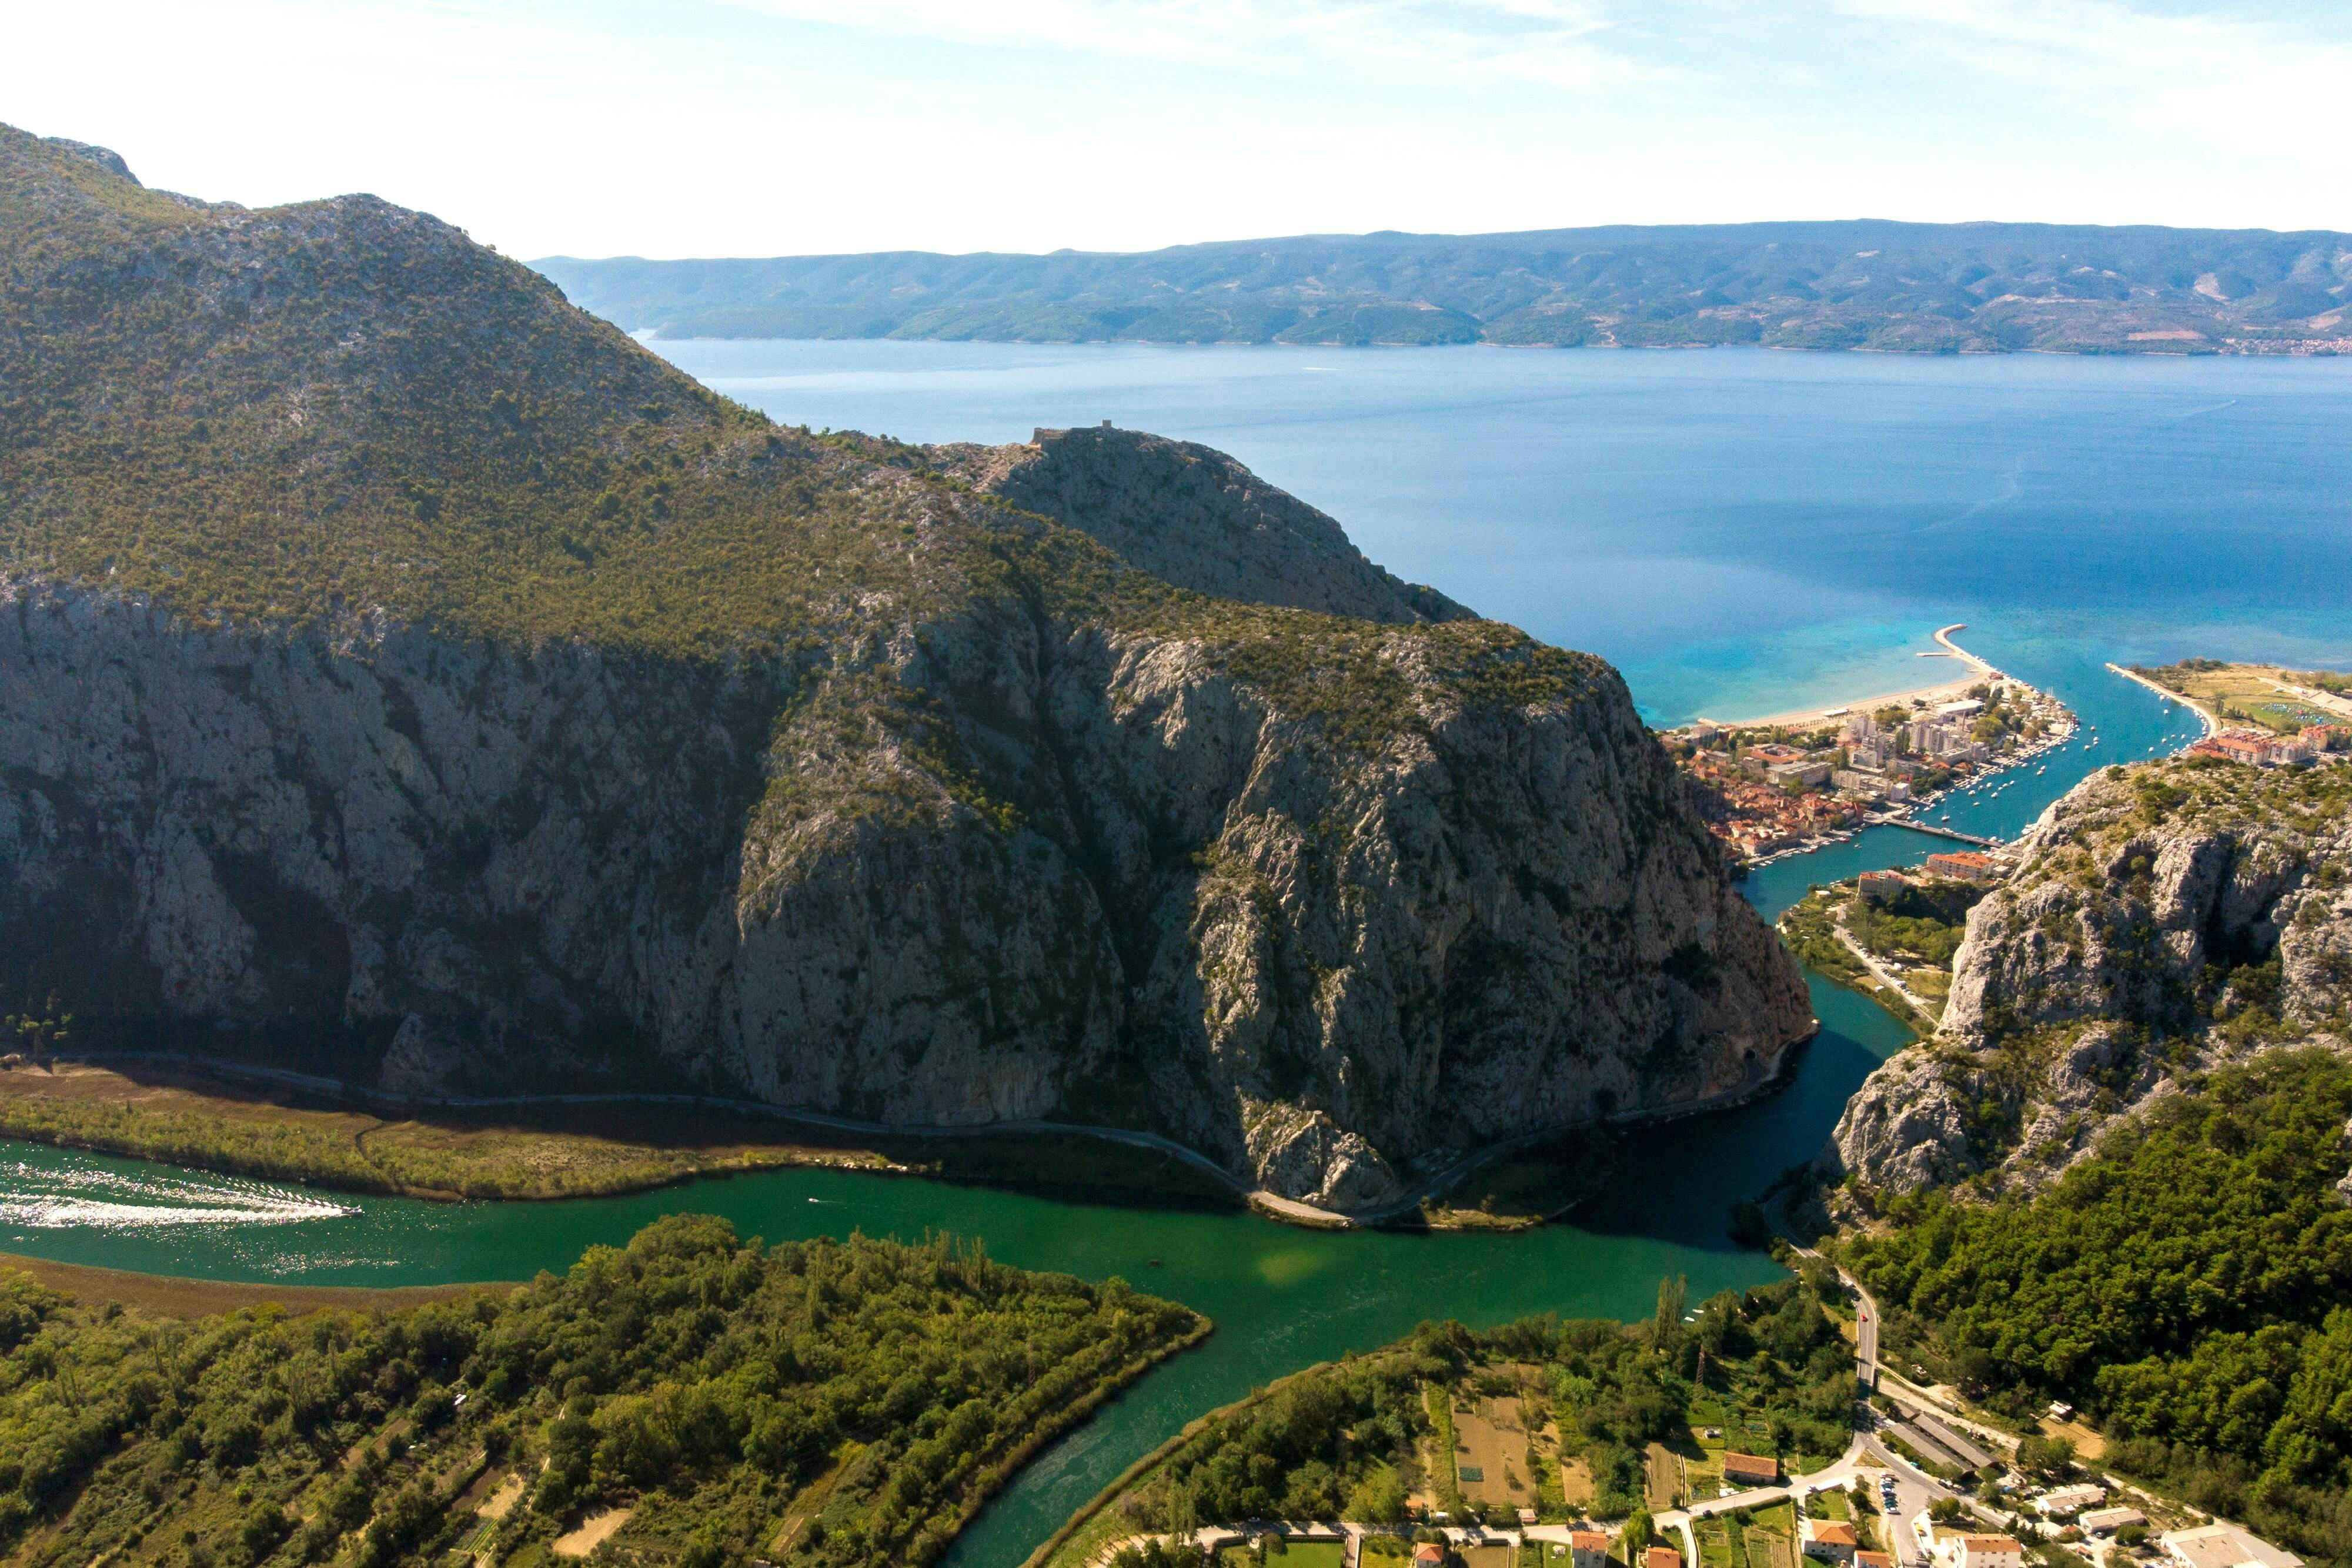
457	870
1192	516
2163	918
405	678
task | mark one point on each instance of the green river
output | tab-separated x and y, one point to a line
1281	1298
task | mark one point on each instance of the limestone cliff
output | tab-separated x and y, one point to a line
2165	918
406	678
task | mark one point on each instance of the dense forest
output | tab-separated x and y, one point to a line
819	1403
1349	1440
1921	287
2186	1286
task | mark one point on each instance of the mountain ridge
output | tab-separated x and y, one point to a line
1863	283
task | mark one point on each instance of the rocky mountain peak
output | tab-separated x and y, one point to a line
1195	517
2166	918
406	675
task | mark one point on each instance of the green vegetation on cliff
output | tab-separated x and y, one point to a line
2186	1286
820	1403
339	407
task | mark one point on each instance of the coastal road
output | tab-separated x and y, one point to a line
1865	1313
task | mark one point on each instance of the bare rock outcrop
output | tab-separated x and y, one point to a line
2165	918
453	870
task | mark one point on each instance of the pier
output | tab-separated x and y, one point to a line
2211	721
1884	821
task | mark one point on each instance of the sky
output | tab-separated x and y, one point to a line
781	127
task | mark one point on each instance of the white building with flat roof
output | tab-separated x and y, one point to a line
2224	1546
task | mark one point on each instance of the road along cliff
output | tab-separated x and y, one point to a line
404	677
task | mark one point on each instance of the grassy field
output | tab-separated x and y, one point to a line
555	1152
282	1134
2247	693
173	1298
1308	1555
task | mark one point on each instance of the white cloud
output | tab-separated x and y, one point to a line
612	126
2260	88
1449	43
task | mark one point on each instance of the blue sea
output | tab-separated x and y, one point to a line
1740	531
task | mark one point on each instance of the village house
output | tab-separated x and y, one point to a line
1830	1539
2101	1520
1878	886
1588	1548
1964	865
1428	1555
2321	738
1662	1557
1967	1549
1749	1470
1873	1559
2059	1501
2254	748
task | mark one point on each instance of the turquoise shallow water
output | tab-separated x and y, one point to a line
1741	531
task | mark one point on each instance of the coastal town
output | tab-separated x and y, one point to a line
1785	785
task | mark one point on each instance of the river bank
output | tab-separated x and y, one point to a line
171	1297
269	1124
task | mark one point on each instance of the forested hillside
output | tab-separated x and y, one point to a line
1920	287
2189	1287
2118	1175
812	1403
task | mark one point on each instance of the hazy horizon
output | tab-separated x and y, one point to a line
758	128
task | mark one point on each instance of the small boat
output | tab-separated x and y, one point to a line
1154	1263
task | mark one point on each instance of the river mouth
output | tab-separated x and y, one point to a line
1282	1297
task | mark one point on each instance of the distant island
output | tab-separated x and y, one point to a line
1868	285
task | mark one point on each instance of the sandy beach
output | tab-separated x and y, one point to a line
1828	714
